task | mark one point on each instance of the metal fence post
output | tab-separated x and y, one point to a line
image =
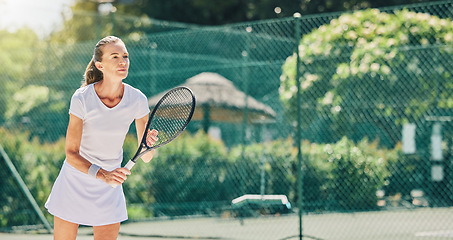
297	35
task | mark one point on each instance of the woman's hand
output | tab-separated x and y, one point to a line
115	177
151	139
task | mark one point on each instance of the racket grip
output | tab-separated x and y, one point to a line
129	166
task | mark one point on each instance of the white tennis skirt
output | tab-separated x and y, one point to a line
81	199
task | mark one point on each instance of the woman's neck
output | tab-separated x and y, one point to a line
109	90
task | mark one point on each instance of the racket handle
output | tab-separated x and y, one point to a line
129	166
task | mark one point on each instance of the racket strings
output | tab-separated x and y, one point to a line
172	115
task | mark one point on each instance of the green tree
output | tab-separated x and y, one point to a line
88	24
367	72
19	52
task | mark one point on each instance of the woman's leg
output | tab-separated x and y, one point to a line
64	230
106	232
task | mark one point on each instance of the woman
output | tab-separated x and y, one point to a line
100	114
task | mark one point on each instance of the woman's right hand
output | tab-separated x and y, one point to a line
115	177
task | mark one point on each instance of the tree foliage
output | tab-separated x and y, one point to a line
19	52
206	12
197	175
86	24
370	69
38	164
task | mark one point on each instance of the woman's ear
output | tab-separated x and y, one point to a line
98	65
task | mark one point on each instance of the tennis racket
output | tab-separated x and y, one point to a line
169	117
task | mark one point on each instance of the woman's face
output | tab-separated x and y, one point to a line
115	60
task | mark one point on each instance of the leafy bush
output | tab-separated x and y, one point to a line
358	171
272	159
341	176
38	164
181	177
196	174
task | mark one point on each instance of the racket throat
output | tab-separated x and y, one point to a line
139	153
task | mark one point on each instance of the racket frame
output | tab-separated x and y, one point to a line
143	147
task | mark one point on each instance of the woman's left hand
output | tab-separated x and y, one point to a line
151	139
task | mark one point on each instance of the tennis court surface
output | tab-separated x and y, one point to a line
423	224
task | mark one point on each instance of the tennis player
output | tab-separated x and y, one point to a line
100	114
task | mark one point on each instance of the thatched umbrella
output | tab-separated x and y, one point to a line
219	101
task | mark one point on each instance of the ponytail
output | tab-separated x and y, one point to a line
92	74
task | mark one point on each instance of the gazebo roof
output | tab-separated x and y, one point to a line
218	97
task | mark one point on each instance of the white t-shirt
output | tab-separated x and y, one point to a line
104	128
77	197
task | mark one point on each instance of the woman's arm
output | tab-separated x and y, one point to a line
140	125
73	157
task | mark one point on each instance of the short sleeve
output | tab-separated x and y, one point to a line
77	107
143	108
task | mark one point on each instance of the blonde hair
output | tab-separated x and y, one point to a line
92	73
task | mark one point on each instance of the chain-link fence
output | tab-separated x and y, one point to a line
360	122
